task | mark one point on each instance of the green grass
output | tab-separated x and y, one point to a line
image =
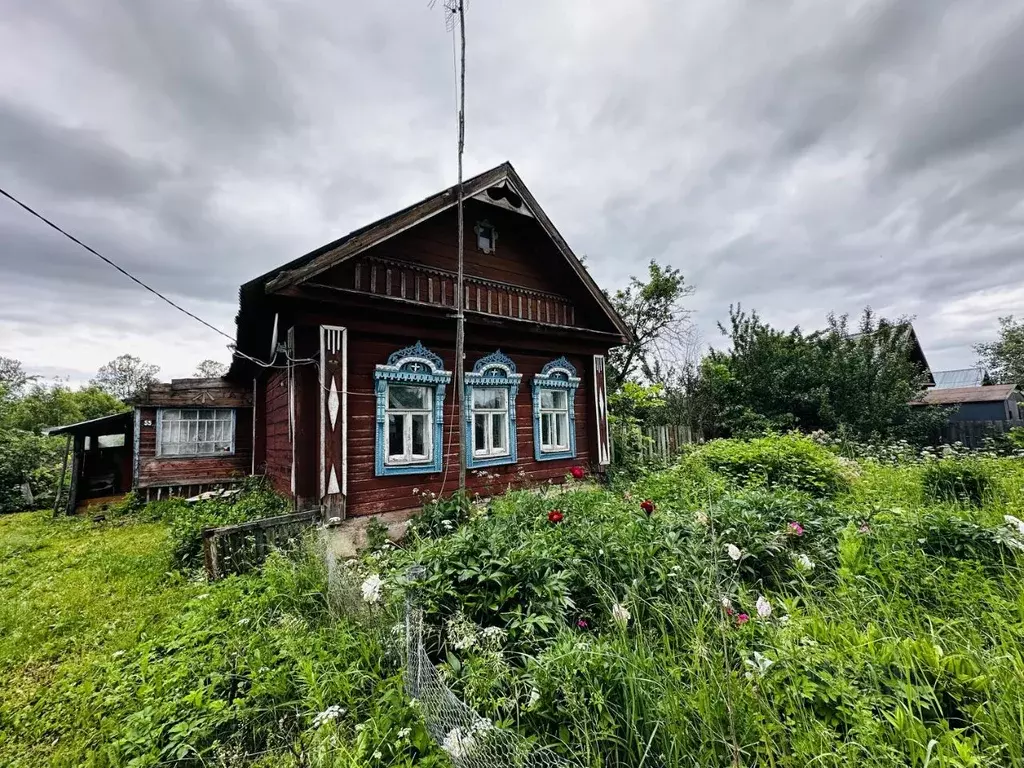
896	637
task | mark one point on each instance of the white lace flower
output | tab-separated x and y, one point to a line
620	614
371	589
726	602
333	712
458	743
1015	522
804	562
734	552
764	608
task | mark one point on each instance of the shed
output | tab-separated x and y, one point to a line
992	402
101	459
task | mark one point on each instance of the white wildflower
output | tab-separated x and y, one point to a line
734	552
804	562
726	602
534	698
330	714
458	744
415	491
493	635
404	732
1015	522
702	518
378	755
620	614
372	589
764	608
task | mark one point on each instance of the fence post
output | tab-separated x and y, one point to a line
210	554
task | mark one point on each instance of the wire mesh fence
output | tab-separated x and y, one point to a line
471	741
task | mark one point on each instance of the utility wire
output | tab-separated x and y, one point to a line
100	256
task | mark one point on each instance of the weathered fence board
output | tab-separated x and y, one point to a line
661	443
244	546
973	433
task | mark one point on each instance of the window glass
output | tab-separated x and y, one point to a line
498	424
396	435
405	397
419	434
493	399
196	432
410	424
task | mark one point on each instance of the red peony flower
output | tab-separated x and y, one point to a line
742	619
578	472
555	516
647	506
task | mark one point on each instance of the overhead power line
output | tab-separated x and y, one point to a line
120	269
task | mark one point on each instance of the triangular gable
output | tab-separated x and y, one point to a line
503	176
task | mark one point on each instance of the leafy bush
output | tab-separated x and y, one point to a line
958	480
440	516
26	457
188	519
777	461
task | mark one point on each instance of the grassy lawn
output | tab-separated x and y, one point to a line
760	603
72	594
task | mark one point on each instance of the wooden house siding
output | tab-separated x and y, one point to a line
276	431
155	471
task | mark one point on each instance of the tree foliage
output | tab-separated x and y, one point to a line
835	379
659	324
125	376
210	369
1004	357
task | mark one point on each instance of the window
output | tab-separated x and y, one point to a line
490	422
196	432
491	389
410	416
410	407
554	418
486	236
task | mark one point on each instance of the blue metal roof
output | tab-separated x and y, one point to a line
960	377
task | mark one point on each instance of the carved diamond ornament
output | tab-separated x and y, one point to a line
332	484
333	403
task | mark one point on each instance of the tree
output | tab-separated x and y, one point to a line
1004	357
56	404
660	325
210	369
13	378
125	376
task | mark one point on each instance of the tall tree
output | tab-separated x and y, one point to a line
13	377
210	369
125	376
1004	357
660	325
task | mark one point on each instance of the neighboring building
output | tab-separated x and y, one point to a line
962	377
914	350
992	402
180	439
351	352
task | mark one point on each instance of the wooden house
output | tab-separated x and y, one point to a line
342	388
350	353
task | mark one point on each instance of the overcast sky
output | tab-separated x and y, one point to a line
798	157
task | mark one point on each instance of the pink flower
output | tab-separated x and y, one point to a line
647	506
555	516
742	619
578	472
795	529
582	624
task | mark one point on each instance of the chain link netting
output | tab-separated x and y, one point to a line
470	740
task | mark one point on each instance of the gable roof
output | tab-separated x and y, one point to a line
961	377
991	393
906	330
359	240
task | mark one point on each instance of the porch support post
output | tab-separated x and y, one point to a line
63	473
76	470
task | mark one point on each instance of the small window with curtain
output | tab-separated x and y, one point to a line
410	417
491	389
196	432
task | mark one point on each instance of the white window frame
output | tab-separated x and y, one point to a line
163	421
553	414
489	451
408	458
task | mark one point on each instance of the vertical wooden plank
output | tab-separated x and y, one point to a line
604	454
356	281
333	430
63	472
76	470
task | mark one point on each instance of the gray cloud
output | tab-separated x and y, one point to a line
799	157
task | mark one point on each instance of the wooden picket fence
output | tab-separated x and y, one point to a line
241	547
662	442
973	433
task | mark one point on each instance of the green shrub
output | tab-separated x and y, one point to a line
440	516
958	480
188	519
777	461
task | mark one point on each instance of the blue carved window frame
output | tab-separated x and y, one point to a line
495	371
558	375
416	366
